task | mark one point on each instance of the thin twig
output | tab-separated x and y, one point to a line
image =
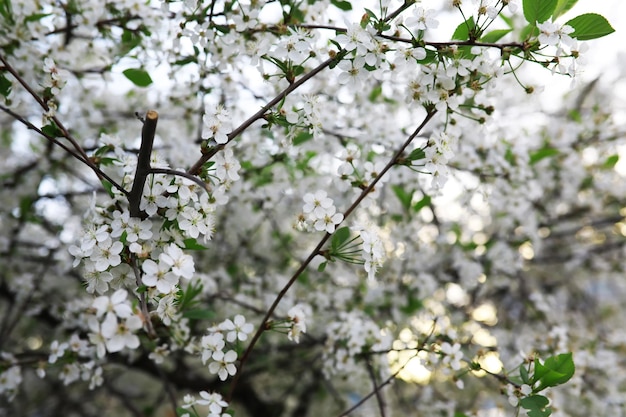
54	140
196	168
379	398
319	246
142	298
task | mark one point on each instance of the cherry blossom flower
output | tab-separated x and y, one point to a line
237	329
298	323
422	19
223	364
120	334
159	275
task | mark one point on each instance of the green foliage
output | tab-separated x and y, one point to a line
342	4
6	11
538	10
193	244
610	162
542	153
340	236
495	35
466	30
536	405
562	7
590	26
424	202
403	195
52	130
5	86
342	247
138	77
555	371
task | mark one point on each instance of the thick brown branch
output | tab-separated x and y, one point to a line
143	163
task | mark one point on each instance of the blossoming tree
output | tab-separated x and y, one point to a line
291	208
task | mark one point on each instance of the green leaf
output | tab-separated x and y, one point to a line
562	7
193	244
6	11
610	162
302	137
542	153
417	154
523	373
538	10
555	371
590	26
465	29
404	196
138	77
339	237
199	314
36	16
424	202
52	130
321	267
108	187
375	93
5	86
495	35
342	4
130	39
536	406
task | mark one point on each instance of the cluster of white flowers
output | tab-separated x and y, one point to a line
567	49
297	317
438	154
57	77
56	80
216	125
373	251
213	401
296	47
352	334
320	212
114	324
213	345
11	378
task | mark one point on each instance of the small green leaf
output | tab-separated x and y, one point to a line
495	35
199	314
537	406
590	26
375	93
465	29
339	237
5	86
542	153
538	10
108	187
321	267
302	137
523	373
138	77
562	7
555	371
6	11
610	162
52	130
36	16
403	195
193	244
424	202
342	4
417	154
